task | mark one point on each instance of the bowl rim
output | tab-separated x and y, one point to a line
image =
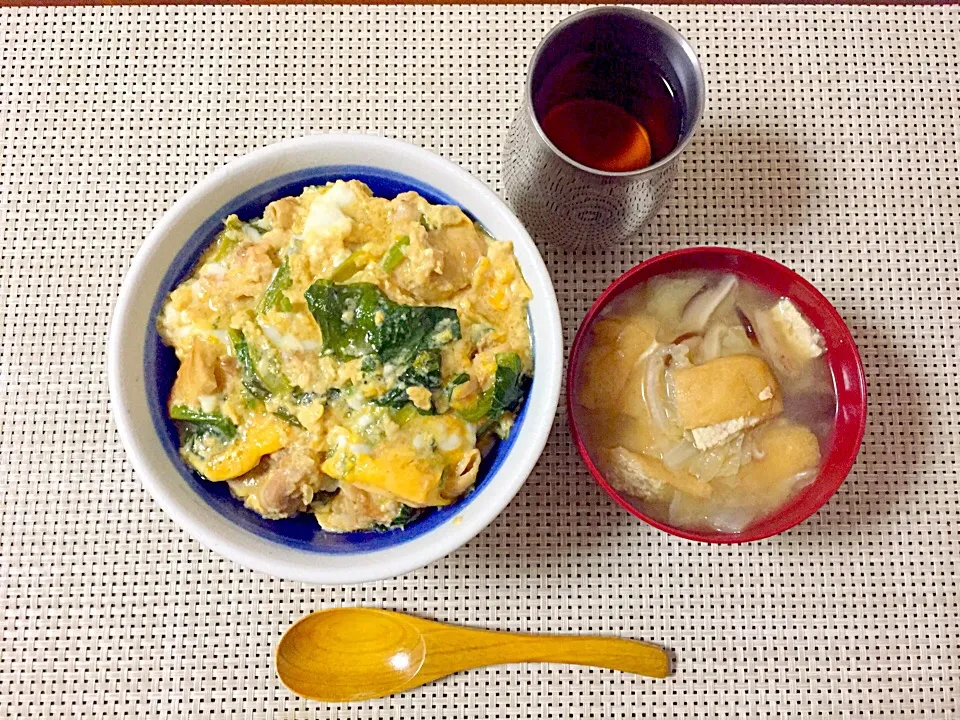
776	523
140	438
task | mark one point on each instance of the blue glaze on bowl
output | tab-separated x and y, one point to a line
160	368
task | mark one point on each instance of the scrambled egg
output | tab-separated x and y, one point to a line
348	355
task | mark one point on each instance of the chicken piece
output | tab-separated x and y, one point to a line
646	478
250	271
787	337
199	374
608	365
282	213
282	485
443	251
722	397
356	509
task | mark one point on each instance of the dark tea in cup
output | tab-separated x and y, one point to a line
609	115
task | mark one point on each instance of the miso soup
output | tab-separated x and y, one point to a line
706	397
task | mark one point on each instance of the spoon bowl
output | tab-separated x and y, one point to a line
375	653
349	654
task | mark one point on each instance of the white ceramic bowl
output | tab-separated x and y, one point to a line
141	369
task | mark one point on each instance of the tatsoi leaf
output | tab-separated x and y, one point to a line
204	422
248	371
301	396
506	393
509	385
395	255
424	371
288	417
404	415
231	236
273	296
358	319
267	366
350	267
479	410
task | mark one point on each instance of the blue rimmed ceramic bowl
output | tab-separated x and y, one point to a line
141	369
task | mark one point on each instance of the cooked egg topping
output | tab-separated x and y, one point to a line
347	355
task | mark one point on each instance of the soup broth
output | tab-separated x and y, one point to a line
706	397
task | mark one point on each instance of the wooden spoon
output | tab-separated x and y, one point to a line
361	653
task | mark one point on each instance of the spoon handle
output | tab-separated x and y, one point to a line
451	650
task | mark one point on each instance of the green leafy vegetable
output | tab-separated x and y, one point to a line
395	255
261	373
405	414
204	422
425	223
406	516
458	380
350	267
262	225
288	417
248	369
358	319
269	370
424	371
506	393
273	296
231	236
301	396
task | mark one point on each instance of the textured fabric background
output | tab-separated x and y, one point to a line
830	143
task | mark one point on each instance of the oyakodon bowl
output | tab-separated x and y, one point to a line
141	369
843	360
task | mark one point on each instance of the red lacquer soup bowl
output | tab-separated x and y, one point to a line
841	446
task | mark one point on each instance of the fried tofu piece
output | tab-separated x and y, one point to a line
725	389
785	450
712	436
619	344
608	429
646	478
795	330
721	398
788	337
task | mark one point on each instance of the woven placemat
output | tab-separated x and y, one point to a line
830	143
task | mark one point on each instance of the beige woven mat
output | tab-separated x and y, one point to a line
830	143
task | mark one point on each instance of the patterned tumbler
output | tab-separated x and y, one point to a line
562	201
